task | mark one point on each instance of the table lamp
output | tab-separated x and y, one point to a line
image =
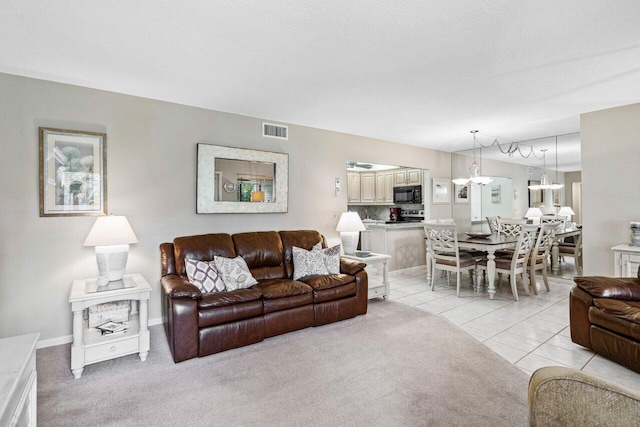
350	226
566	212
111	236
534	214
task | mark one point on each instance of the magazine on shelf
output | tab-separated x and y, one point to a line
112	327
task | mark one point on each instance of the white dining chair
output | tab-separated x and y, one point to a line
510	226
574	251
518	262
444	253
540	255
492	221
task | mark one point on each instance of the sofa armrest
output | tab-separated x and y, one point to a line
568	397
622	288
348	266
175	286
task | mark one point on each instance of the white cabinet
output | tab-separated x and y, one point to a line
626	260
408	177
353	187
18	381
367	187
370	188
384	187
414	177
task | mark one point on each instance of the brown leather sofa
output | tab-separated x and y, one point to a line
198	324
605	317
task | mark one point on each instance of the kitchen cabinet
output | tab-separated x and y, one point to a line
353	187
384	187
626	260
408	177
367	187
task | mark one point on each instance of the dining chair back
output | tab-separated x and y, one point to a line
444	253
574	251
493	224
551	219
540	254
518	261
510	226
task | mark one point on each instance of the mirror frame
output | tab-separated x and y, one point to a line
205	185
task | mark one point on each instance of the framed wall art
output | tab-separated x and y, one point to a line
73	173
441	193
496	194
462	194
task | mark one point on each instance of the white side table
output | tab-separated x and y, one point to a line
18	381
376	290
89	345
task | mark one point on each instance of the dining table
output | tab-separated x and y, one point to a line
488	243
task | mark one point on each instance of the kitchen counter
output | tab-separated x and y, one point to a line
378	224
404	241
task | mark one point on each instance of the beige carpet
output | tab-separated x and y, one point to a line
394	366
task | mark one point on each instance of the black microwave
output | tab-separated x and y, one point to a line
408	194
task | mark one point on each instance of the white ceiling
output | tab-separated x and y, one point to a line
418	72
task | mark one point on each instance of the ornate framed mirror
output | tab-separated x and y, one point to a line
239	180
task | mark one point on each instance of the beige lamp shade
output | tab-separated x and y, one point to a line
350	221
110	230
566	211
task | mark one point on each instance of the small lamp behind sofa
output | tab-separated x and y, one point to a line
350	226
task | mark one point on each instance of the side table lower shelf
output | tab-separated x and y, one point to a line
98	347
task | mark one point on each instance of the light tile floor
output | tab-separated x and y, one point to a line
530	333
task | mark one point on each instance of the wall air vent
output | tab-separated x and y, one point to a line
530	171
270	130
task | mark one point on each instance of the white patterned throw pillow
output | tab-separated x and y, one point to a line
204	275
234	272
332	259
308	263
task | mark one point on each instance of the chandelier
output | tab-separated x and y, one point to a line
545	184
474	170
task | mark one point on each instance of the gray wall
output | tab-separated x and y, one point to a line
610	175
151	179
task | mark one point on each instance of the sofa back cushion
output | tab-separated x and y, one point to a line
263	252
304	239
202	247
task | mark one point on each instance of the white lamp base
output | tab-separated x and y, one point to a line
350	241
112	261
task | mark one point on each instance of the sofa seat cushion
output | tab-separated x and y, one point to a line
627	310
214	316
222	299
281	288
618	325
331	287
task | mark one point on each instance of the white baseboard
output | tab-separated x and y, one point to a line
66	339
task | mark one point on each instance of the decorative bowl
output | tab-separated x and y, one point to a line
363	253
478	234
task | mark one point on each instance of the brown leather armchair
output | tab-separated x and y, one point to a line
605	317
198	324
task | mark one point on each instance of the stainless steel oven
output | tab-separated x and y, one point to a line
407	194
